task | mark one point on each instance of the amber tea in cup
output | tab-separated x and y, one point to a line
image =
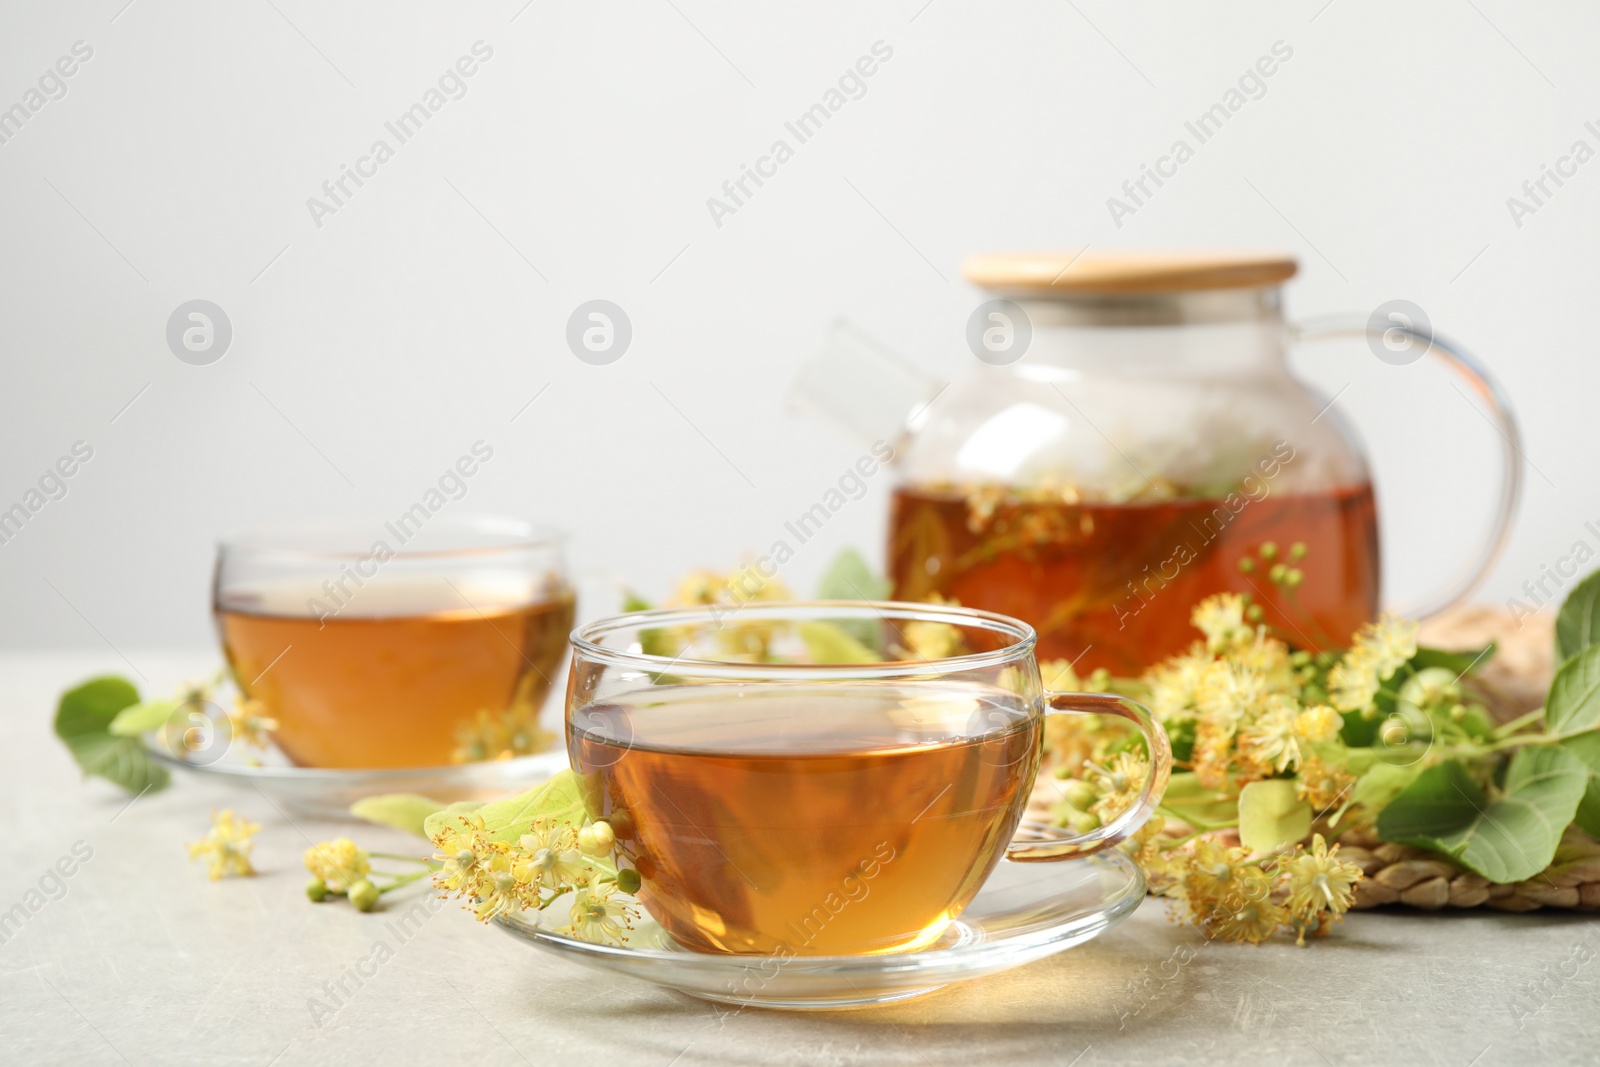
801	807
373	651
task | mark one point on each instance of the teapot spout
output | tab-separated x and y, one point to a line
862	387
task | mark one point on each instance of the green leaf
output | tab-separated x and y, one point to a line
1505	838
849	577
1456	662
83	723
403	811
1578	623
1271	816
1587	748
1375	789
561	798
1588	814
829	643
1573	703
141	718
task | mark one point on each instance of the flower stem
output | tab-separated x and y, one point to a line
1518	723
403	880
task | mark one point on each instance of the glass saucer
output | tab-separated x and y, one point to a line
328	792
1024	912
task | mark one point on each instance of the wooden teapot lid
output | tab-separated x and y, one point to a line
1128	272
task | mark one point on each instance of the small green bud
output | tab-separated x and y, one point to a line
1297	551
1300	658
1277	573
1293	577
1268	550
1393	733
1458	713
1082	822
629	880
1253	613
1246	565
364	895
316	890
1079	794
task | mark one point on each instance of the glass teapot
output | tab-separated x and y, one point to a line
1131	441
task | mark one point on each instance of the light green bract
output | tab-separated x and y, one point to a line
559	800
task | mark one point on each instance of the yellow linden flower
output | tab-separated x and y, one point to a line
1175	684
1120	784
249	722
1231	693
1221	619
1322	785
500	890
1212	873
1252	917
467	855
340	863
599	917
550	857
1376	652
1321	886
1212	756
1144	847
1270	742
1318	724
1269	658
226	845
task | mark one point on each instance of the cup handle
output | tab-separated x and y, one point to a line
1054	847
1402	331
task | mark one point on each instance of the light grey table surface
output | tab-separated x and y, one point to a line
137	958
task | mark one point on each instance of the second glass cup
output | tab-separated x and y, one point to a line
796	779
373	646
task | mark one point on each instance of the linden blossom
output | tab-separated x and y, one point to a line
404	128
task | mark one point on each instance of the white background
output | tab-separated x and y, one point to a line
373	351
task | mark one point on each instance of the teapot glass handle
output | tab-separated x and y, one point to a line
1045	843
1500	416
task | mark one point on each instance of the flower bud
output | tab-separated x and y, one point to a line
1277	573
1079	794
596	839
364	895
628	880
1246	565
1297	551
1293	577
1393	733
316	890
1268	550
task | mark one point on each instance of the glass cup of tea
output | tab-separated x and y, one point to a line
396	644
794	779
